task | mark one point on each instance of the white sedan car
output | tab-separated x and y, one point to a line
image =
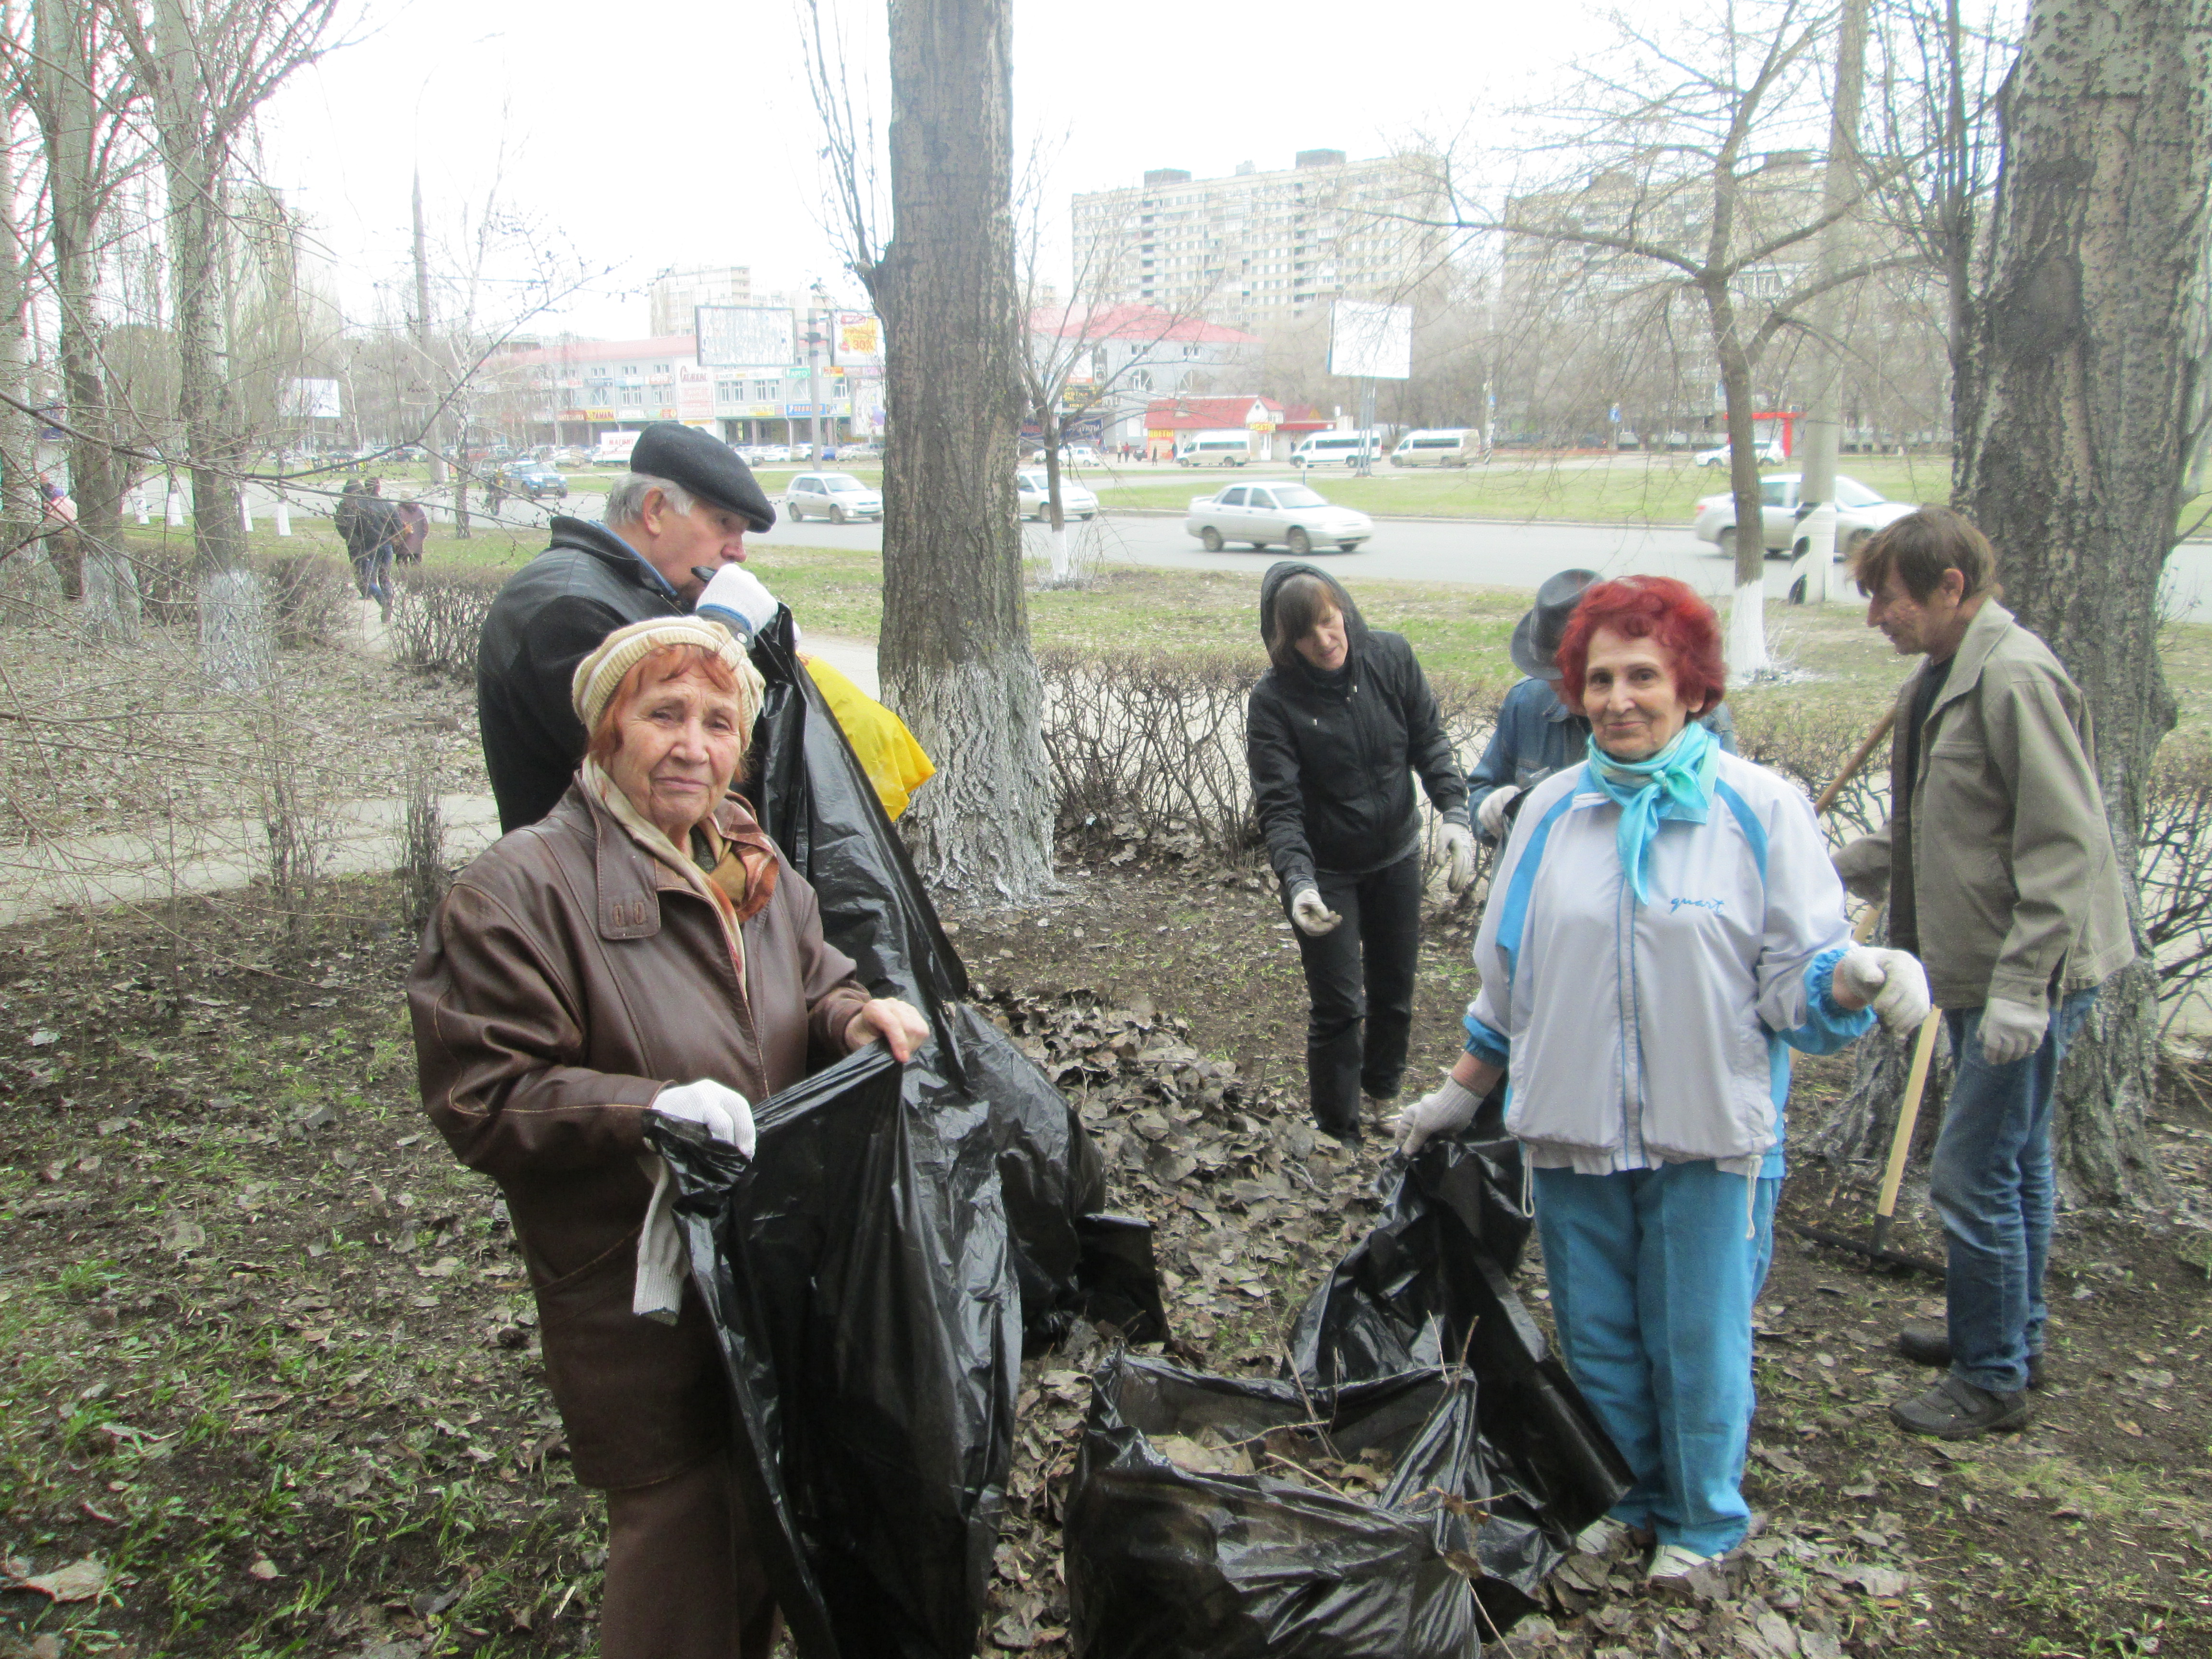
1262	513
1859	513
838	496
1030	489
1770	454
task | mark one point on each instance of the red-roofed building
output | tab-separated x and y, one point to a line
1133	352
1167	419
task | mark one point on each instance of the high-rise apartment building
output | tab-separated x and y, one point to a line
674	297
1256	246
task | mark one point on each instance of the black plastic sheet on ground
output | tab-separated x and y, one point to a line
1170	1562
856	1275
1071	1260
1429	1284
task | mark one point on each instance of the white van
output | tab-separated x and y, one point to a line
1225	447
1443	446
1337	448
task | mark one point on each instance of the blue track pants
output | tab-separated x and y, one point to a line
1652	1280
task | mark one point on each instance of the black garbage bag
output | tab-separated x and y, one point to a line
812	795
1429	1286
1169	1561
857	1278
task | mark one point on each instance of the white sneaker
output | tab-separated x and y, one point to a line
1672	1561
1604	1538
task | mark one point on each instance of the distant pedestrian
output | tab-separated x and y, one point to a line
414	531
494	493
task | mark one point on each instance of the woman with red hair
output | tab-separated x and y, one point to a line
1664	925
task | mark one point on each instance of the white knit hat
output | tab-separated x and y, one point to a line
600	675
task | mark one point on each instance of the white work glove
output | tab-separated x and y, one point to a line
1491	815
722	1112
2011	1030
1313	917
1459	852
736	599
1892	983
1453	1106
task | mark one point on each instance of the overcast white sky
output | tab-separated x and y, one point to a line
674	133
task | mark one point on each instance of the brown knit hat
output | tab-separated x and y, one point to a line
600	675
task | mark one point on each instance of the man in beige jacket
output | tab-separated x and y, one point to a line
1997	862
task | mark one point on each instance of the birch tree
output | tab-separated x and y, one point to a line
1689	169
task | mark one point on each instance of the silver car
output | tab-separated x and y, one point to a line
1075	501
838	496
1859	513
1262	513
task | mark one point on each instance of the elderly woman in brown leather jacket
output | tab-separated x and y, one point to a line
646	932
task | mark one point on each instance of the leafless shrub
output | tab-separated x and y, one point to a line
308	597
1152	747
30	591
2173	871
437	614
1810	744
422	877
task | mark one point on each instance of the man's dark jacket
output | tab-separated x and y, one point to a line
551	615
1331	757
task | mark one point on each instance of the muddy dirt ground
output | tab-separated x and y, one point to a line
268	1370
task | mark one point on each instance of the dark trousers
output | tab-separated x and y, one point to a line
683	1579
1359	978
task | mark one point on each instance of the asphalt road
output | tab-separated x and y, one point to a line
1483	552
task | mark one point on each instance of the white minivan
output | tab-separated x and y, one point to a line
1337	448
1224	447
1441	446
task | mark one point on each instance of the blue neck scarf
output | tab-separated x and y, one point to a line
1677	782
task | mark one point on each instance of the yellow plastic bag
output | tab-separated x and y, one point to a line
893	762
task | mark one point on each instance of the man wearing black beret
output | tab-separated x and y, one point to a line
687	503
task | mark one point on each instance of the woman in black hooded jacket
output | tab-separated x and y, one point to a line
1333	733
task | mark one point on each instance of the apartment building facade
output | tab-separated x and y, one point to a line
1256	248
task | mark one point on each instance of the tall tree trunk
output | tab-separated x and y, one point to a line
2075	461
66	73
235	646
955	644
1746	622
19	509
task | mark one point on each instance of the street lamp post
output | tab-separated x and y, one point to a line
816	319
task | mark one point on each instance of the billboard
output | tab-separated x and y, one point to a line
1370	341
856	339
695	393
745	336
310	400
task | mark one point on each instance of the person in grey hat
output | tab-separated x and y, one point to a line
1536	733
686	506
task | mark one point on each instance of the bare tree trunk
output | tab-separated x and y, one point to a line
1839	190
66	74
1747	623
2074	465
956	641
19	501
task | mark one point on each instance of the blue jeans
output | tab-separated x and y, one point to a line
1991	1184
373	576
1653	1274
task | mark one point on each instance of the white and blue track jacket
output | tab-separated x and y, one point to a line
1640	1034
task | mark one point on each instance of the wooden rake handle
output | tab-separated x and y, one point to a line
1908	1116
1851	766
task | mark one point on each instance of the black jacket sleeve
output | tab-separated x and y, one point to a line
1272	757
